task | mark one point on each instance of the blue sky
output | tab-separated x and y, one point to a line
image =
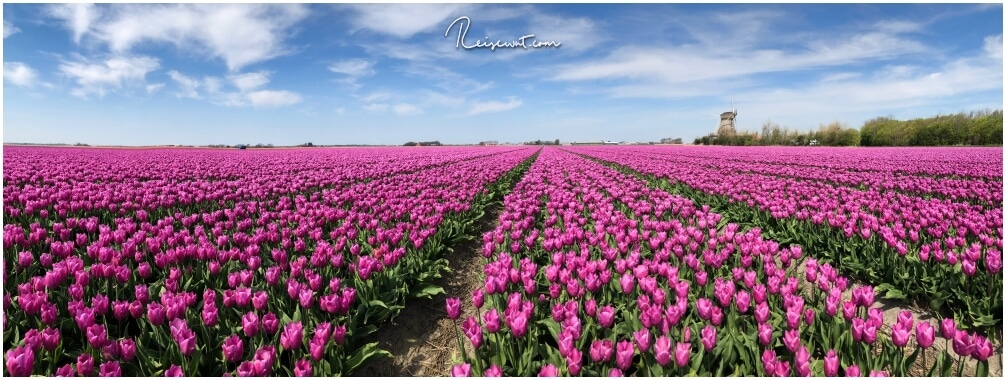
151	74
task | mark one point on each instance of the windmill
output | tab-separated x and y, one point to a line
726	126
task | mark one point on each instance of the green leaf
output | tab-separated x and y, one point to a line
982	369
427	291
362	355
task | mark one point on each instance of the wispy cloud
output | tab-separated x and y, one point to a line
186	86
494	106
246	90
355	68
405	20
238	34
118	73
19	74
660	72
76	17
269	98
406	109
9	29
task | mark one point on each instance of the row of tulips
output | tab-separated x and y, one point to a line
592	272
933	251
287	285
87	182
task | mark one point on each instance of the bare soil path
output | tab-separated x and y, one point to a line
422	339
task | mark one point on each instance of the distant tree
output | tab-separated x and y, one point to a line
556	141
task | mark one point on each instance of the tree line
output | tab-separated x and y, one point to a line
834	134
972	128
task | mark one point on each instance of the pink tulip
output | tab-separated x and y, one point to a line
624	352
852	371
831	363
601	350
606	316
270	323
803	362
65	371
110	369
493	371
461	370
233	348
250	324
548	370
642	339
303	368
454	309
174	371
85	365
292	336
948	328
708	338
682	352
20	361
925	334
661	350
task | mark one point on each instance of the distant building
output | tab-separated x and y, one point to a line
489	143
727	126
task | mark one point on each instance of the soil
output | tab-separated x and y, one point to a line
422	340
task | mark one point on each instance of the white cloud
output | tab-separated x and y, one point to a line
9	29
574	33
406	109
405	20
268	98
994	46
376	96
19	74
113	74
152	88
76	17
187	86
217	92
356	68
249	81
494	106
240	34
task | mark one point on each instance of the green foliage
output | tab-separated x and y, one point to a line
974	128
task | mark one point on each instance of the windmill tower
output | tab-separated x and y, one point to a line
727	126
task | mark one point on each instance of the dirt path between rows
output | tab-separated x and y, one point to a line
422	339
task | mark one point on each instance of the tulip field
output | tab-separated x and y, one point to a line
598	261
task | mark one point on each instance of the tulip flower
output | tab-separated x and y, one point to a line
708	338
20	361
454	309
802	363
233	348
831	363
606	316
250	324
303	368
661	350
624	352
682	352
601	350
493	371
548	370
270	323
85	365
642	339
948	328
65	371
109	369
461	370
292	336
174	371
